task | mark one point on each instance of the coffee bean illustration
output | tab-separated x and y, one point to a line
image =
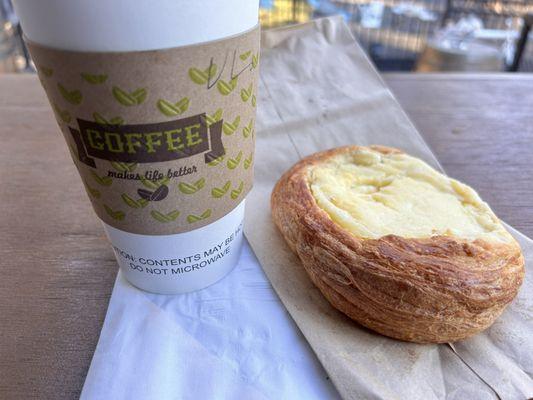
145	194
157	195
160	193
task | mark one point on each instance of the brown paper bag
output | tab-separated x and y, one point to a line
318	90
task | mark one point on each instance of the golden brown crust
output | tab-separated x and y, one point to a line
430	290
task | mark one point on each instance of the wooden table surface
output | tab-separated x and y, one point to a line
57	271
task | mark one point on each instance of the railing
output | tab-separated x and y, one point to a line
394	32
284	12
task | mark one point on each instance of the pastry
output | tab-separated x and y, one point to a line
397	246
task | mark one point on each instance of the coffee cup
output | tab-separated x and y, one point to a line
156	101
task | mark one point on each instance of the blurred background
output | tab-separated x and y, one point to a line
398	35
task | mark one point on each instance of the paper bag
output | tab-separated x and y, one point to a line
318	90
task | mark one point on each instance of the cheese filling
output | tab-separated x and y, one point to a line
372	195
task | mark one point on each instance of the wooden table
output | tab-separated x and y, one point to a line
57	271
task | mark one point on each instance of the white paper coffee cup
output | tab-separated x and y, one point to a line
173	263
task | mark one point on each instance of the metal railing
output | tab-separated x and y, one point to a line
394	32
284	12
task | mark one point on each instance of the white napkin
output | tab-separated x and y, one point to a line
233	340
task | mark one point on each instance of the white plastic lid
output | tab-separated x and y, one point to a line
132	25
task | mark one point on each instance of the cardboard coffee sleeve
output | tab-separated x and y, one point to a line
164	139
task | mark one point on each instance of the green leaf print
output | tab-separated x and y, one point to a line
129	99
195	218
248	161
255	60
72	96
93	192
218	192
225	88
102	180
211	119
99	118
64	115
164	218
172	109
245	55
153	185
233	163
117	215
237	192
216	161
48	72
202	77
191	188
246	93
229	128
141	203
123	166
94	79
249	129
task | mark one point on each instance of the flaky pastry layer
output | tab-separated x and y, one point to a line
433	281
